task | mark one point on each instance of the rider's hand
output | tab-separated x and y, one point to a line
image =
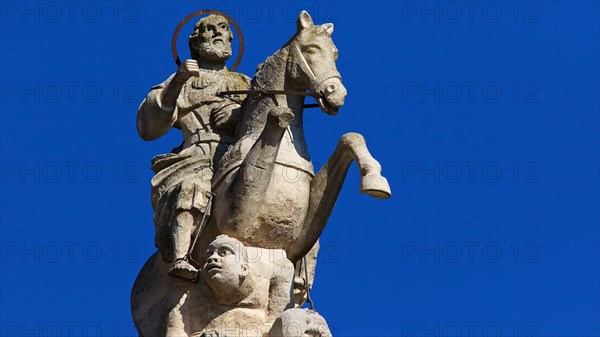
226	118
187	69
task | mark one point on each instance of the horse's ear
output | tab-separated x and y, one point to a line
328	28
304	21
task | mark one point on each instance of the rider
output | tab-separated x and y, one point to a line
188	101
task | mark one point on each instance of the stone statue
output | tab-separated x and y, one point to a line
256	200
251	293
300	322
258	240
241	291
188	100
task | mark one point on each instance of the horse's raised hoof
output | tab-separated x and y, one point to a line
376	186
183	269
282	116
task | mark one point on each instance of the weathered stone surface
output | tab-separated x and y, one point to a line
299	323
189	101
256	201
264	194
243	291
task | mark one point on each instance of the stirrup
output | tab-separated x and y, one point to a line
182	268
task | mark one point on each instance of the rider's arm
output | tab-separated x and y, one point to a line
158	111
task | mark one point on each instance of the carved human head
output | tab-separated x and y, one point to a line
226	266
300	322
211	39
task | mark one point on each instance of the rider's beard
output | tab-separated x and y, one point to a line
215	52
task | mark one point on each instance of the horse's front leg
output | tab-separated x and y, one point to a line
252	179
326	185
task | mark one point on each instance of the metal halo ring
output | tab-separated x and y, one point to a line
208	11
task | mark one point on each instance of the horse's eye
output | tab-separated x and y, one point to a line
311	50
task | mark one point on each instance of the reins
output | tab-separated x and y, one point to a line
303	64
272	92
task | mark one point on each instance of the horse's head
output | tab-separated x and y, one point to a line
312	63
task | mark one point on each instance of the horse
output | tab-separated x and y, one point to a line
255	199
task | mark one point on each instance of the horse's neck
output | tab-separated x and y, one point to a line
272	76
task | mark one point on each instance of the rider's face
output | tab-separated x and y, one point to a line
216	33
213	39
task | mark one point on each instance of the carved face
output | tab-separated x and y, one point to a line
300	322
315	56
211	39
226	264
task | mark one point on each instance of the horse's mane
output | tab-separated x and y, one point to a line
264	71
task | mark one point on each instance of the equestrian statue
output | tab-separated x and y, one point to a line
238	208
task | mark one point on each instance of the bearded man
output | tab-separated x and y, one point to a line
188	100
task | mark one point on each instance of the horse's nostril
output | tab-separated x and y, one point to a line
331	88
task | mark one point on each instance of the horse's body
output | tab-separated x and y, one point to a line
277	188
266	191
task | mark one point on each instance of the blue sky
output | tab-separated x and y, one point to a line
484	116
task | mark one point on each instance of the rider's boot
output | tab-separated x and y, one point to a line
182	232
182	268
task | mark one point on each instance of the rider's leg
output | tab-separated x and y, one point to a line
182	232
181	229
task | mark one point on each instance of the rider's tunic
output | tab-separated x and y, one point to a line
182	178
